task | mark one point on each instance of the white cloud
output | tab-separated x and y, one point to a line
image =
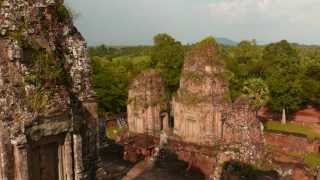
295	11
233	11
285	18
136	21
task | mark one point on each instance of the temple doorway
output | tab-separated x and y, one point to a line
46	159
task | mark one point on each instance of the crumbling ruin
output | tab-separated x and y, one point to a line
145	102
47	107
203	112
208	128
201	104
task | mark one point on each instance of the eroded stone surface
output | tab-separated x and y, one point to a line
202	97
145	101
204	114
209	129
45	91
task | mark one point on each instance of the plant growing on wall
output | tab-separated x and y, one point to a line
45	73
38	100
257	91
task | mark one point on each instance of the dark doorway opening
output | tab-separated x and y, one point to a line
46	159
171	122
44	162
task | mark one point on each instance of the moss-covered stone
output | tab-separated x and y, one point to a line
44	70
63	13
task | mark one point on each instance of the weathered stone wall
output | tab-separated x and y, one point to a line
243	131
145	102
205	116
288	152
202	109
290	143
6	154
45	88
208	128
201	99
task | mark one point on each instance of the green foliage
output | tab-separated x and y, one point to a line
167	56
45	73
311	82
257	91
243	63
111	52
238	170
290	72
112	133
312	160
44	70
285	92
38	100
281	54
286	70
17	35
111	79
292	128
283	76
241	170
63	13
207	41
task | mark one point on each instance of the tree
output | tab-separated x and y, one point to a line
283	76
280	55
111	80
167	56
247	52
243	63
257	91
311	83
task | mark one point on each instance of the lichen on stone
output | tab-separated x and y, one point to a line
45	87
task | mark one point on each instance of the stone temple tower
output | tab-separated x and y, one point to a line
201	101
146	94
47	106
203	111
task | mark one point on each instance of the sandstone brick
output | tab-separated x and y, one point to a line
48	114
145	103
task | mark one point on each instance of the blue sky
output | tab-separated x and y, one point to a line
133	22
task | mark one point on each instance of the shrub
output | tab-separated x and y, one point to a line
312	160
38	100
63	13
44	70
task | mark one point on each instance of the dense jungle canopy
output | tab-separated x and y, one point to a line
288	72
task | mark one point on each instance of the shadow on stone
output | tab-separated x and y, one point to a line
234	170
170	168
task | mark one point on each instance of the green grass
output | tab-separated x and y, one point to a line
312	160
292	128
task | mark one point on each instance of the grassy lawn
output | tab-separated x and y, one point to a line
312	160
292	128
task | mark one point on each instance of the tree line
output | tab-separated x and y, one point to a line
280	75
